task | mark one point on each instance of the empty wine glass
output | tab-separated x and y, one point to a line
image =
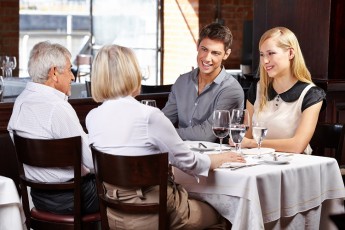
10	65
239	124
146	73
2	88
220	125
259	130
3	61
149	102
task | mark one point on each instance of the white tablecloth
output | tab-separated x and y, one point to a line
274	196
11	213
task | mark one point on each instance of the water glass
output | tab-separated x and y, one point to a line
259	130
239	124
149	102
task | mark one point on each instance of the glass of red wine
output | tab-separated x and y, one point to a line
221	125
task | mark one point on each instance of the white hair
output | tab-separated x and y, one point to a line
45	55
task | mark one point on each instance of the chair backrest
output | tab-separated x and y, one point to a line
48	153
88	88
155	88
328	140
84	62
132	171
8	162
338	220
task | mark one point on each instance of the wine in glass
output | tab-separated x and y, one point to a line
149	102
259	130
239	124
220	125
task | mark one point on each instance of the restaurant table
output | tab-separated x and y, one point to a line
297	195
11	213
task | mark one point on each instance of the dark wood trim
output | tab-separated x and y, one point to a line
82	107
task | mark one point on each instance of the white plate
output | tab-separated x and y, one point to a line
279	161
255	151
194	146
202	149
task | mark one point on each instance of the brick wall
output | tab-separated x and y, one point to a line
181	28
182	21
9	29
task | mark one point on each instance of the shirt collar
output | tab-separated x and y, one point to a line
217	80
290	95
38	87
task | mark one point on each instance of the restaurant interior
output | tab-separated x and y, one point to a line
319	27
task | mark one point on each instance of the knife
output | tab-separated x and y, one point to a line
242	166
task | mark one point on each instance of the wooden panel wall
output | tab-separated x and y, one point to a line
308	19
319	27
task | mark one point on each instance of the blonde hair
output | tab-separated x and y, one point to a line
285	39
115	73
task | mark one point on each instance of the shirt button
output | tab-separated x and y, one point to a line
195	103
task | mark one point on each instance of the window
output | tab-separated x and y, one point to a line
132	24
72	23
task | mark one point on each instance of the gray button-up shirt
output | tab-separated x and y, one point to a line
193	112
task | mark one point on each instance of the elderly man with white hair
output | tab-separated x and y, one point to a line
42	111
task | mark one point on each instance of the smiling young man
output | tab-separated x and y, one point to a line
196	94
42	111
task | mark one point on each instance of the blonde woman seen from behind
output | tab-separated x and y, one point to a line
124	126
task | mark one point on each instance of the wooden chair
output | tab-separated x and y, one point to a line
45	153
338	220
8	162
132	171
84	62
328	140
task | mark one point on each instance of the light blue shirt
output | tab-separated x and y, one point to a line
193	112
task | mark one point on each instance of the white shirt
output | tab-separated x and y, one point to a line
124	126
43	112
281	118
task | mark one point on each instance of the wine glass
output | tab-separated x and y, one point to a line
3	61
259	130
12	64
2	87
146	73
149	102
220	125
239	124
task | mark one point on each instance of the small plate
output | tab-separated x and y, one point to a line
194	146
202	149
255	151
279	161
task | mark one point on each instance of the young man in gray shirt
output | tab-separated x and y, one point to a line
196	94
